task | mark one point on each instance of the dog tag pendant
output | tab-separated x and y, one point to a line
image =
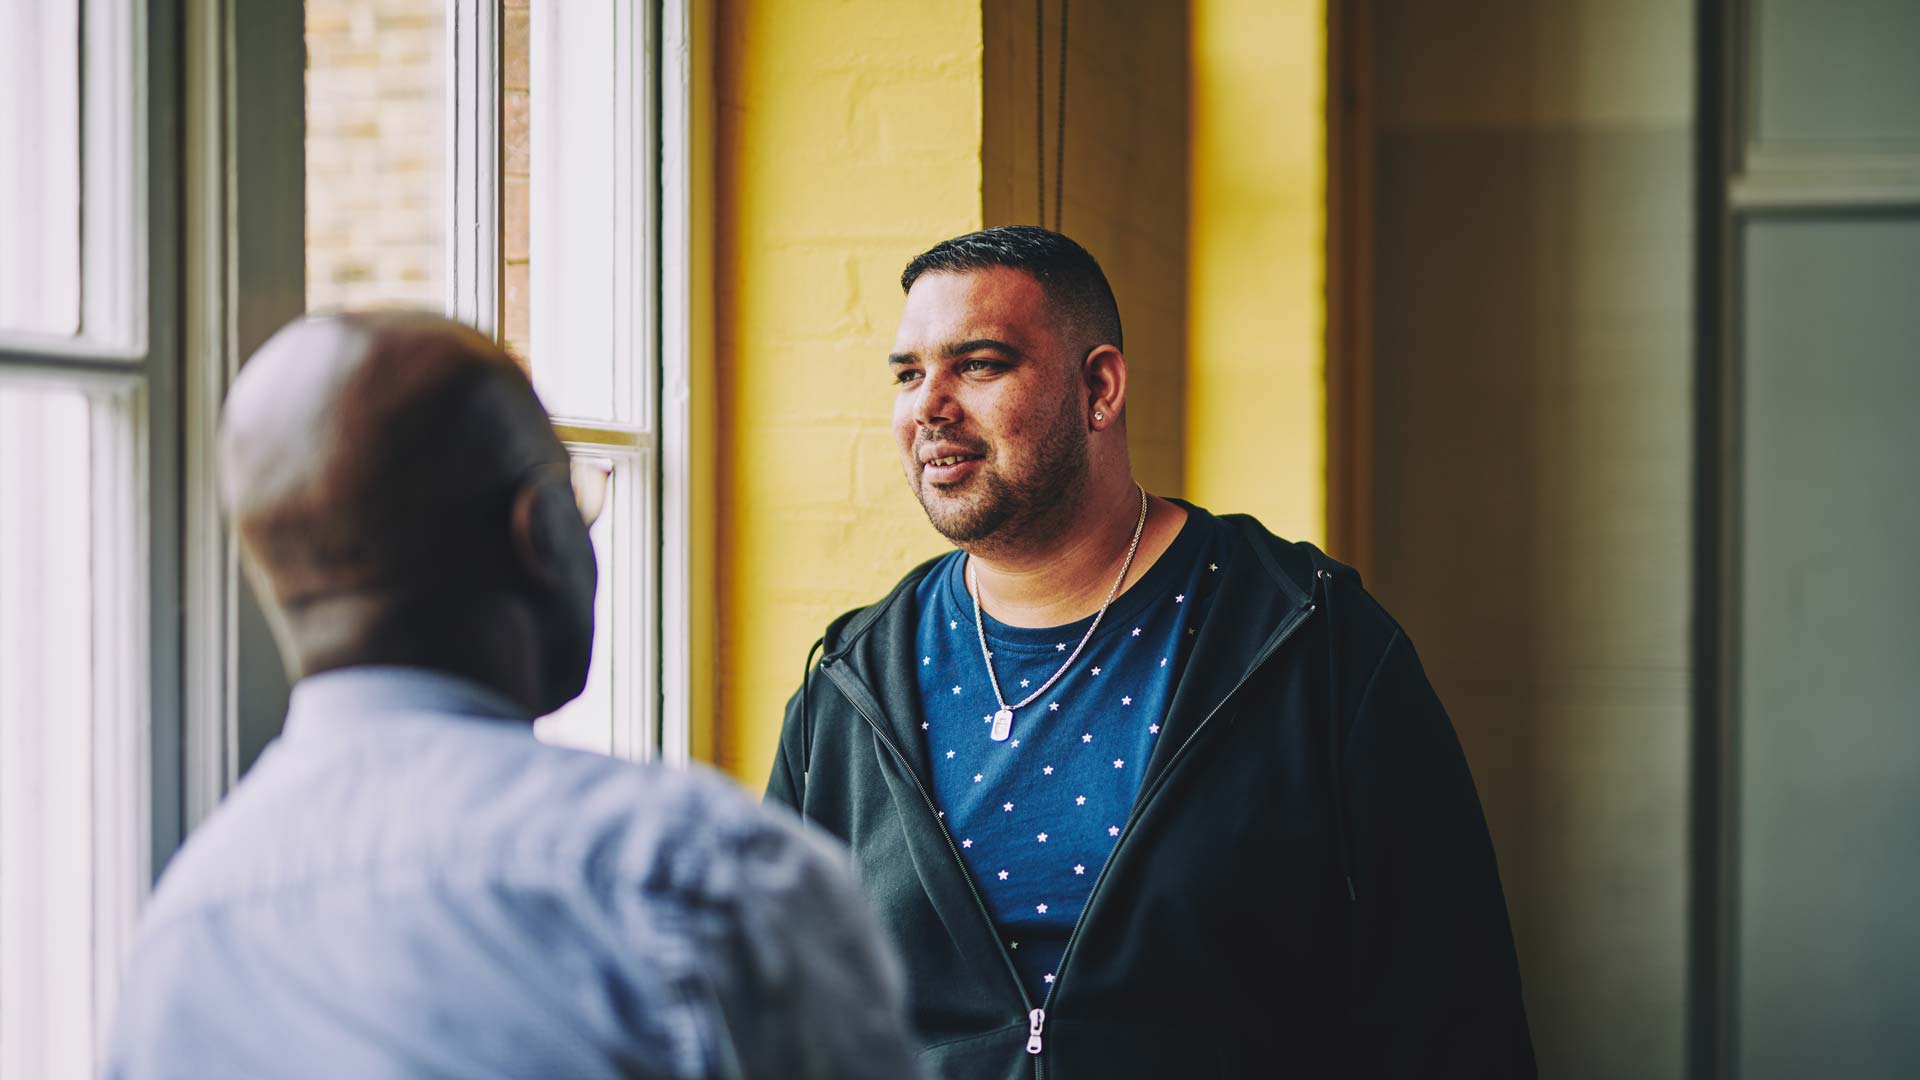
1002	725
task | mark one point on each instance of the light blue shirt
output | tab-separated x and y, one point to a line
407	884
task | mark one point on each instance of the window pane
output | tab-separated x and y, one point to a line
376	133
1829	695
72	722
40	167
1836	70
577	205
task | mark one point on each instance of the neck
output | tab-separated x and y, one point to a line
481	638
1064	577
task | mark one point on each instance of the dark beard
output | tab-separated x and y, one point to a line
1006	513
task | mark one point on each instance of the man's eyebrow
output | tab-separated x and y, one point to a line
961	348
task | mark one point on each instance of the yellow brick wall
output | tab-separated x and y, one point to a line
846	140
516	140
375	103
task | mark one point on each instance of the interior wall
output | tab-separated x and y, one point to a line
845	141
1531	520
1256	388
1124	195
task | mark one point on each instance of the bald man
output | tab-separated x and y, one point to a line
407	884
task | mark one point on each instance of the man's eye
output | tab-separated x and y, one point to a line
905	376
982	366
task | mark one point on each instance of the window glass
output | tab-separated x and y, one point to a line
72	692
568	295
40	185
1841	71
376	134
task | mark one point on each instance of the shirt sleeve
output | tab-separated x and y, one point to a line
786	785
1436	985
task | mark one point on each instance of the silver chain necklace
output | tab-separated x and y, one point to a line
1003	717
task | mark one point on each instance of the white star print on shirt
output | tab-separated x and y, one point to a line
1126	701
923	725
1087	737
1079	869
1003	875
1006	807
1055	707
1212	567
1113	830
926	660
1016	742
953	624
1042	838
976	778
949	755
1048	770
1013	944
1080	800
966	843
956	689
1163	661
1096	671
1062	647
1118	762
1024	682
1180	599
1042	909
1136	631
1153	729
1049	975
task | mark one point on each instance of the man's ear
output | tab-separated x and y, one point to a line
1105	374
542	525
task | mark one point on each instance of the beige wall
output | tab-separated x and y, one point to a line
1532	447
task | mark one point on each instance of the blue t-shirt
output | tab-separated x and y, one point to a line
1037	815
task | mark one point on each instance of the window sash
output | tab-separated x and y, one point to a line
648	631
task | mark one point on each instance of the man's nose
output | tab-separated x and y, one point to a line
937	406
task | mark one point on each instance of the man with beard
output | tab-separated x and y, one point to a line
1138	790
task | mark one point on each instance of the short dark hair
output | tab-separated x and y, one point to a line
1071	278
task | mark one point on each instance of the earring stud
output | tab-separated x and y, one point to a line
1098	415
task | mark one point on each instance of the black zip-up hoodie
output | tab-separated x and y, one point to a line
1305	886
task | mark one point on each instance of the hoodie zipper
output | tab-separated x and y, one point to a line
1038	1016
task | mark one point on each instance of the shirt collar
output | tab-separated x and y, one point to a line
344	695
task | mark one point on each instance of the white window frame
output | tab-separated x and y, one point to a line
647	121
123	357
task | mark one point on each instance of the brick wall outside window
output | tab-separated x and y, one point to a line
376	130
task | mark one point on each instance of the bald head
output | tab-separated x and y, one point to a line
393	478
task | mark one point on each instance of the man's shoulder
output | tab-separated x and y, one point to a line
542	817
901	601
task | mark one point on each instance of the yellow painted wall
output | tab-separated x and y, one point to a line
845	138
1256	387
846	141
